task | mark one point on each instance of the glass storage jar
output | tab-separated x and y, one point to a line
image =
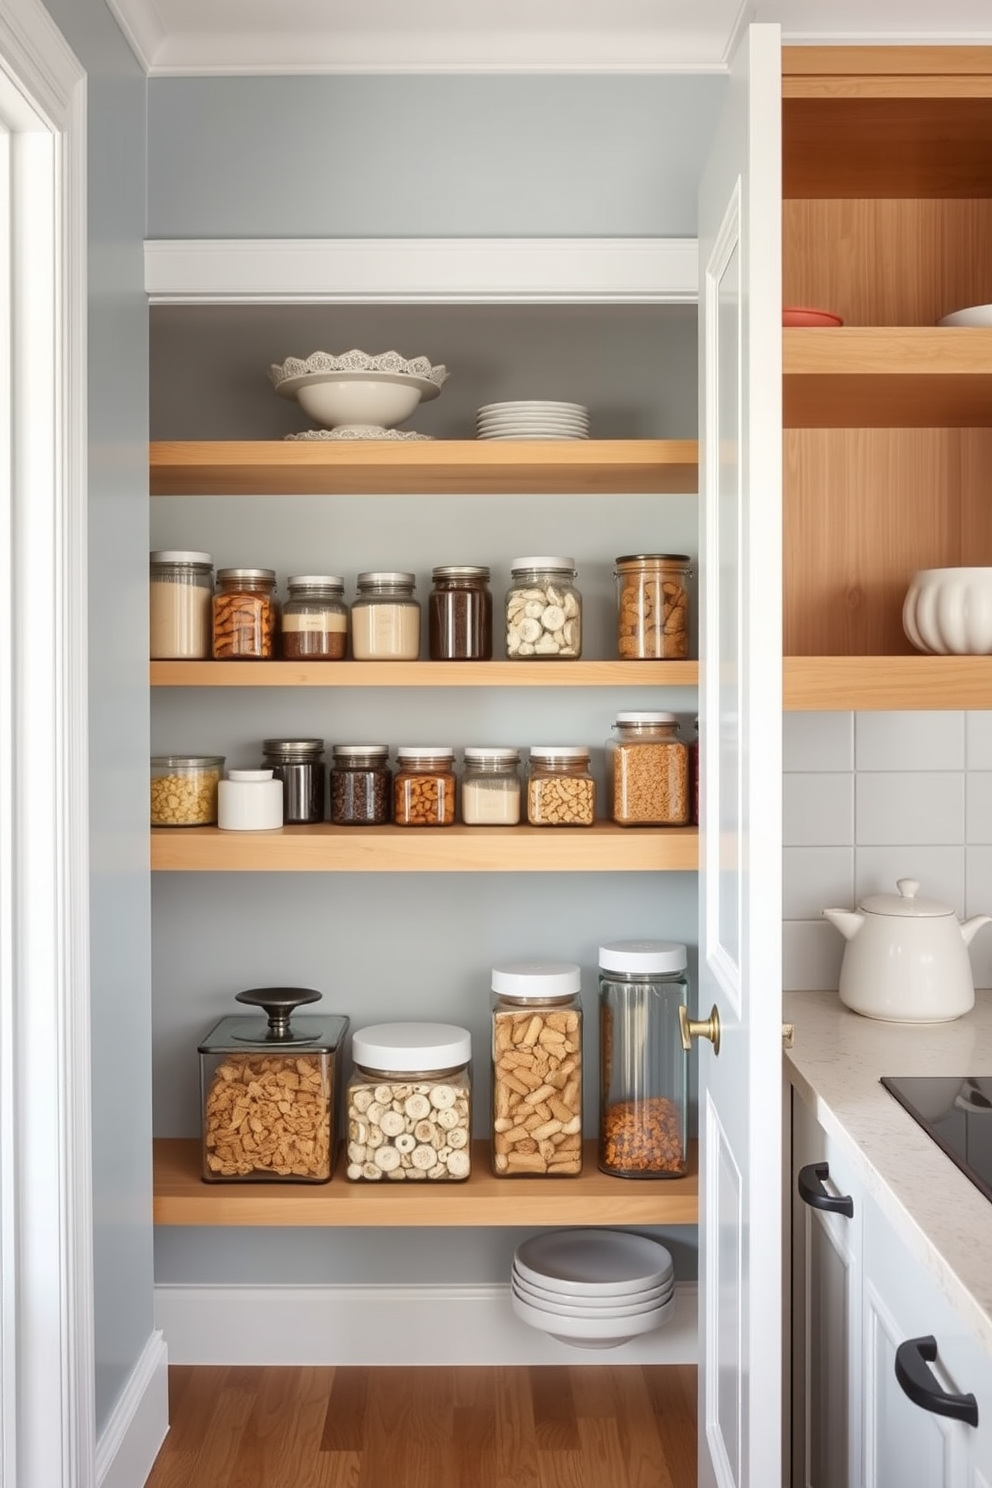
361	785
653	606
424	786
460	614
184	789
314	624
181	585
647	771
643	1082
245	615
694	769
299	764
385	618
543	610
537	1070
561	791
269	1091
490	791
409	1103
249	801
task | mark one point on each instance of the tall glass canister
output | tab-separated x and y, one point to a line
643	1086
537	1070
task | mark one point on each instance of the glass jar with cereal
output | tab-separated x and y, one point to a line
536	1070
647	771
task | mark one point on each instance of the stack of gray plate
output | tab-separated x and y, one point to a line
532	420
593	1288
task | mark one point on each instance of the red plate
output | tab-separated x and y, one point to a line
797	315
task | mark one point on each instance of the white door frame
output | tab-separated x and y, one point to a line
47	1410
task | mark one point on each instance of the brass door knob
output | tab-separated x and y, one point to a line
707	1028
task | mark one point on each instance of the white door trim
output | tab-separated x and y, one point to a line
643	271
46	1229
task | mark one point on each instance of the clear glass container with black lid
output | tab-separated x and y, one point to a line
269	1090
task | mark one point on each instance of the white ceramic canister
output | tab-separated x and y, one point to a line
249	801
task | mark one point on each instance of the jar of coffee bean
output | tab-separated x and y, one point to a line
361	785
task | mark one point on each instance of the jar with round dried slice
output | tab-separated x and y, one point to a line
409	1104
543	610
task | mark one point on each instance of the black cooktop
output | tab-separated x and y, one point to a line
956	1111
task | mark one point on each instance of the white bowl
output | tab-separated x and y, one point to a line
593	1263
590	1332
649	1297
357	389
948	611
578	1312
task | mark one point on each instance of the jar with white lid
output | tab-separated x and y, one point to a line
314	625
424	786
361	785
537	1070
245	614
643	1083
249	801
647	771
181	586
490	793
561	791
543	610
385	618
409	1103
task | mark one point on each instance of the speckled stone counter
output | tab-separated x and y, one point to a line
835	1064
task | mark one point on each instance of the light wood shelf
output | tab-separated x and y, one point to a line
461	467
323	848
182	1198
885	683
424	674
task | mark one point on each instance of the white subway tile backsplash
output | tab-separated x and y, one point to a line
939	871
818	741
909	741
818	810
910	807
978	900
811	956
978	806
978	740
815	877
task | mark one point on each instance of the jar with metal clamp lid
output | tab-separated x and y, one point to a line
409	1103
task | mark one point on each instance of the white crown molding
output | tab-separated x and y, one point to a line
387	1325
143	28
422	270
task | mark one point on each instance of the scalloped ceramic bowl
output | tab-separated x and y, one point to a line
358	390
948	611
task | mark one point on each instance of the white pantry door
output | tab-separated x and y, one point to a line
740	1101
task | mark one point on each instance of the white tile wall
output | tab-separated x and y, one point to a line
869	798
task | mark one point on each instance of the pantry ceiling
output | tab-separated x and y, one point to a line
211	37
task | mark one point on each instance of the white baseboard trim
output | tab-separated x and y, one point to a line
129	1442
387	1325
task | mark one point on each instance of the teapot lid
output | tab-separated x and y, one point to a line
905	903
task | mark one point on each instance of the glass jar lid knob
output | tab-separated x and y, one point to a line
278	1003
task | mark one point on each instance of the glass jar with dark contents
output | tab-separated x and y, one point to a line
460	614
361	785
299	764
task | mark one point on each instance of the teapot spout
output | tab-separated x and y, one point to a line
847	921
969	927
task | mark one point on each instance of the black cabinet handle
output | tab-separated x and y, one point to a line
919	1383
813	1193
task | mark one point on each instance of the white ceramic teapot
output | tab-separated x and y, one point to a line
906	959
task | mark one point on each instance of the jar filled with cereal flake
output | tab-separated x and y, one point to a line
409	1104
561	791
647	771
543	610
184	789
653	606
537	1070
269	1091
643	1083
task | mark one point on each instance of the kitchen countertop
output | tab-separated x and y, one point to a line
836	1063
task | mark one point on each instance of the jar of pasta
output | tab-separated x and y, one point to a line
561	791
385	618
647	771
653	606
643	1084
314	622
244	614
181	585
543	610
537	1070
424	786
409	1103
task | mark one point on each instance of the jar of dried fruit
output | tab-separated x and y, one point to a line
537	1070
647	771
543	610
643	1087
409	1103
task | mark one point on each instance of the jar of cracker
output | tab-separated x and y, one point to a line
245	614
409	1103
643	1087
653	606
537	1070
269	1091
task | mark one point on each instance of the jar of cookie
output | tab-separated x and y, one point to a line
409	1104
245	617
536	1070
653	606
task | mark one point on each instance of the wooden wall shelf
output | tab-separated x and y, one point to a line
182	1198
456	467
323	848
885	683
424	674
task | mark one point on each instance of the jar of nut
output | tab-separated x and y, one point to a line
653	606
560	789
424	786
269	1091
643	1084
543	610
184	789
244	614
647	771
409	1103
314	624
537	1070
361	785
385	618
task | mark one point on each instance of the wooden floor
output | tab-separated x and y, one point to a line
582	1426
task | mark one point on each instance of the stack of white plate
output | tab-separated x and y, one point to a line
593	1288
532	420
